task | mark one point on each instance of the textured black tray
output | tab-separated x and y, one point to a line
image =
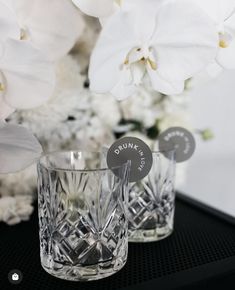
201	249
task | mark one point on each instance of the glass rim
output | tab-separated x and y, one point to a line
59	169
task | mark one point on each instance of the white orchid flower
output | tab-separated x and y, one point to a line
222	12
26	76
18	148
169	44
53	26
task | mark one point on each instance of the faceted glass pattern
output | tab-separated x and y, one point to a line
82	216
152	201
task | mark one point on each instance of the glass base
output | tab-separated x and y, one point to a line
151	235
86	273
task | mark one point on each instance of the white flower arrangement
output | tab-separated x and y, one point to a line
145	53
15	209
77	118
29	47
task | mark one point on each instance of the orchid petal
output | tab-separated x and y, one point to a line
161	85
125	6
8	23
217	10
185	44
18	148
138	71
146	11
104	76
230	24
5	109
225	56
52	26
95	8
29	76
124	88
130	4
108	57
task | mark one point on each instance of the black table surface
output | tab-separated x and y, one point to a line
200	254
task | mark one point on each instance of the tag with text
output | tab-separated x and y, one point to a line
179	139
135	150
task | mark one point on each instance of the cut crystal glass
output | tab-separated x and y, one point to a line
152	201
82	216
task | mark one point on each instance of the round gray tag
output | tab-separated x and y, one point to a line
179	139
135	150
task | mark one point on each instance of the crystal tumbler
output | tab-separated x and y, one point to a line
82	216
152	201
